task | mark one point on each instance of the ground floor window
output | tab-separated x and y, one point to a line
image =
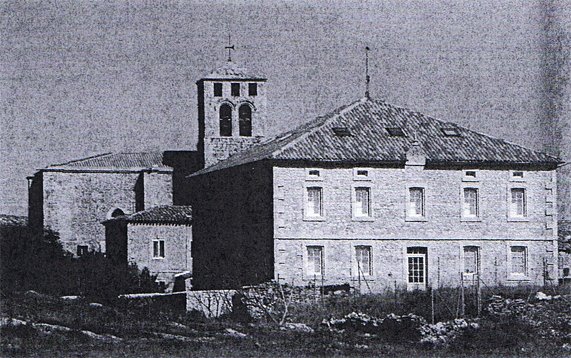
158	249
518	260
471	258
416	263
363	260
315	260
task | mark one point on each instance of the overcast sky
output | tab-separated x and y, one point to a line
80	78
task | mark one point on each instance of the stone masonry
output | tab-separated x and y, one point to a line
388	232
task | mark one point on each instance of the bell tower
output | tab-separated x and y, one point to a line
231	111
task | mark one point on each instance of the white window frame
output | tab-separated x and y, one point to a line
478	259
306	215
158	241
355	206
416	285
468	178
478	216
518	275
367	177
310	177
356	266
408	216
510	214
518	179
308	269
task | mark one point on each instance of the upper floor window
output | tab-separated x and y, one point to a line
314	205
313	174
470	207
252	89
518	203
159	249
225	120
470	175
363	260
517	175
362	207
361	174
416	203
245	120
235	89
218	90
315	260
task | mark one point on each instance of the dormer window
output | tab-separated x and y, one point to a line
395	132
218	90
235	89
252	89
451	132
342	131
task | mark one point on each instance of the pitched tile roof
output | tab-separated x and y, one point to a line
366	139
230	70
13	220
136	161
165	214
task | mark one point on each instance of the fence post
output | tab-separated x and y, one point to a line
432	302
462	306
479	295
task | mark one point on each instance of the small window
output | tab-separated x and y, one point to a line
362	207
235	89
518	260
363	260
218	90
342	131
361	174
518	203
315	260
159	249
471	259
470	174
451	132
517	175
395	132
82	250
416	203
252	89
314	204
313	174
470	203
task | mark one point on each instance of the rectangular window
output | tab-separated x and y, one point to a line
218	90
363	260
82	250
416	202
416	260
315	260
235	89
518	203
362	207
470	206
158	249
314	202
252	89
519	260
471	259
361	174
313	174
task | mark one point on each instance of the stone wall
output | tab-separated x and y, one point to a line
389	232
178	241
75	203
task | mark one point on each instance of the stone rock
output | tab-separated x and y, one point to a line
233	333
298	327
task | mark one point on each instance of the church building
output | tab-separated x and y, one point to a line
373	195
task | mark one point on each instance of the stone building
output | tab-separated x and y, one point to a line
380	197
158	238
73	198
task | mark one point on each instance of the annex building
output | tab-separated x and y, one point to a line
374	195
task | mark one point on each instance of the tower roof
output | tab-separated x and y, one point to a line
372	131
230	71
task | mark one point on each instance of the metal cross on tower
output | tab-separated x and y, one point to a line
230	47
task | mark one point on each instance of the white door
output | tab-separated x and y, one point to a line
416	268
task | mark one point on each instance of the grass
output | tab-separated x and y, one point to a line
141	330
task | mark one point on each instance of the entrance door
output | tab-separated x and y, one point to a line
416	266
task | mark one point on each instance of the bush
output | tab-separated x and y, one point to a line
31	260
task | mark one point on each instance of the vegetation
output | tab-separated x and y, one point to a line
32	260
